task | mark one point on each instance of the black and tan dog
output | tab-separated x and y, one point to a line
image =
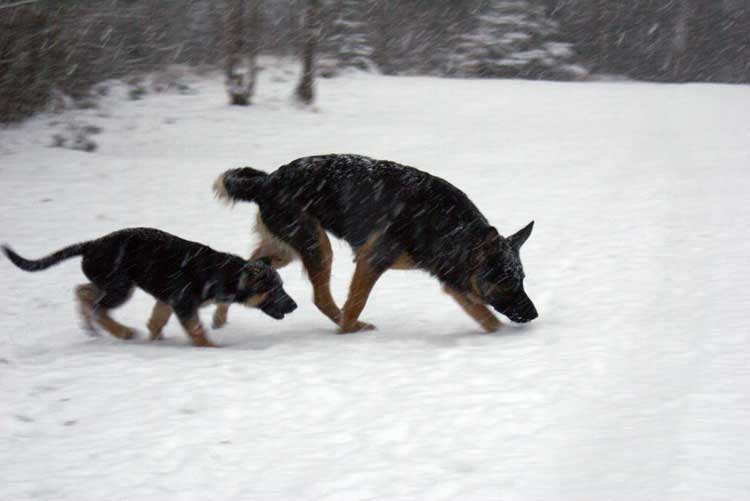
180	274
394	217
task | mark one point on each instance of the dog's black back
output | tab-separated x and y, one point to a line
354	196
351	195
176	271
161	264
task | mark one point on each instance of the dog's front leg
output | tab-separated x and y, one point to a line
363	281
220	316
478	312
194	329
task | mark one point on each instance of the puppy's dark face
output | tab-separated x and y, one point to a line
260	286
499	280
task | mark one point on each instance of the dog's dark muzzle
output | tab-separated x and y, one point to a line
278	306
521	310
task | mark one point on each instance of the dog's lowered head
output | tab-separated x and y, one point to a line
259	286
499	278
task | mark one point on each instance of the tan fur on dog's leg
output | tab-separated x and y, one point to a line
159	318
220	316
362	283
195	331
478	312
112	326
86	295
319	273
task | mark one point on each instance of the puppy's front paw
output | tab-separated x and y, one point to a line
205	343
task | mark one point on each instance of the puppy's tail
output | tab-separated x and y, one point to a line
244	184
45	262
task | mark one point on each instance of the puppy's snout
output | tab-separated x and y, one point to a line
287	304
278	306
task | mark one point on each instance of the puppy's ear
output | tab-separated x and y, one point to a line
267	260
244	278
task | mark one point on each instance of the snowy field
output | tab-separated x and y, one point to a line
634	383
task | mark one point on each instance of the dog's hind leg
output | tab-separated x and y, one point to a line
159	318
86	295
95	305
377	255
478	312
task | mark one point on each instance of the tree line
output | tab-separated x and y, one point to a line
66	46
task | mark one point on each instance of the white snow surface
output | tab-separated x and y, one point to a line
632	384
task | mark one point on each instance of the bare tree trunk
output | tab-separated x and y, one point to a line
601	21
305	90
241	50
680	40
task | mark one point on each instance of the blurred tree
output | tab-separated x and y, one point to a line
737	33
64	47
305	91
514	39
242	44
202	36
346	38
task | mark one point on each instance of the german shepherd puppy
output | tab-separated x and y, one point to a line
393	217
180	274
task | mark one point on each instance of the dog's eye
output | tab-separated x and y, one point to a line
502	288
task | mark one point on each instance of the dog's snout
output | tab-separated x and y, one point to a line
521	311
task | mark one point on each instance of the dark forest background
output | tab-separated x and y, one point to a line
64	47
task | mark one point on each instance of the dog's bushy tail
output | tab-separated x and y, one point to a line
244	184
45	262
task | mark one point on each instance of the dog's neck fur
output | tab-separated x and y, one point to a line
224	284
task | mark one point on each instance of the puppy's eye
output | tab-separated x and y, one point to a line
244	279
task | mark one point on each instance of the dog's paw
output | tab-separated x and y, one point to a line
490	327
357	327
127	333
205	343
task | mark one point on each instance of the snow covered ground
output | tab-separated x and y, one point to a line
634	383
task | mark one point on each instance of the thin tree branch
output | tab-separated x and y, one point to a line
17	4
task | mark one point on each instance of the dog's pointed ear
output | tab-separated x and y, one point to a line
517	239
267	260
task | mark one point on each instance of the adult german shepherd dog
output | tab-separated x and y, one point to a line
180	274
393	217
